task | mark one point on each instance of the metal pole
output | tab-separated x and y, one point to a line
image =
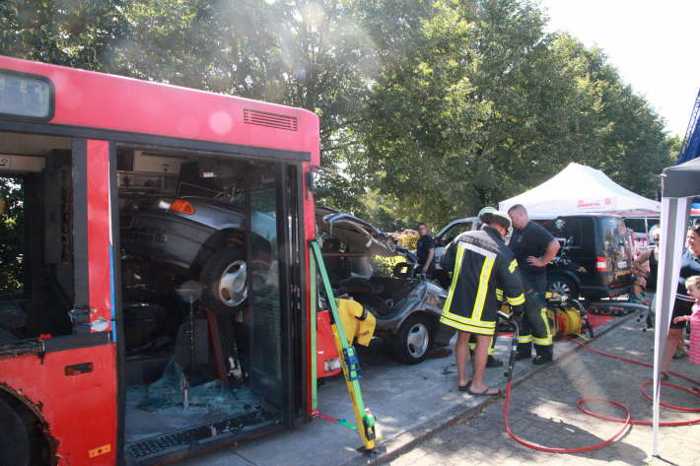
314	349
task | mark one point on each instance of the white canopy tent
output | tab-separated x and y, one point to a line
678	184
581	189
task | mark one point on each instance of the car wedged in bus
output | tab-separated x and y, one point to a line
109	355
366	264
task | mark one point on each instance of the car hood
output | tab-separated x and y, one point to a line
357	234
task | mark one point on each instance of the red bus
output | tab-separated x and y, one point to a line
155	277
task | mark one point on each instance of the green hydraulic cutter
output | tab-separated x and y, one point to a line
348	358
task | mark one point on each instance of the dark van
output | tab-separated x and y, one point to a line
596	258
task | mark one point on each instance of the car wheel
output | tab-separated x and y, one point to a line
414	339
225	278
563	286
15	444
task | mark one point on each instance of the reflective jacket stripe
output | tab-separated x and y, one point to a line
484	279
445	319
467	321
455	276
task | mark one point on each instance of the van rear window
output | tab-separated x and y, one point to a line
616	238
613	227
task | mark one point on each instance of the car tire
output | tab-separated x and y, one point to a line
562	284
225	280
15	441
414	339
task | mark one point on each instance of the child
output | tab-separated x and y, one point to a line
692	284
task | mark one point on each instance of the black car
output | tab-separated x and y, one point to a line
596	258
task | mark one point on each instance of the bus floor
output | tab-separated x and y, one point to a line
162	408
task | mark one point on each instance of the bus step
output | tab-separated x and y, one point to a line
158	446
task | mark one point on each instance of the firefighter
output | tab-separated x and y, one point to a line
534	248
480	262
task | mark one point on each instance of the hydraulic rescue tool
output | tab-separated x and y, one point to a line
348	358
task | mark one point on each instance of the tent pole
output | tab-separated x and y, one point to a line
674	218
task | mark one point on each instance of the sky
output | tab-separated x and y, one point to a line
655	46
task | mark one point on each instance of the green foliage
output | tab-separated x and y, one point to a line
489	105
429	109
11	235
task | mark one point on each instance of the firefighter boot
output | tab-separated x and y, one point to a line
524	351
493	362
545	354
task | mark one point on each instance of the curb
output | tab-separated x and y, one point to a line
407	440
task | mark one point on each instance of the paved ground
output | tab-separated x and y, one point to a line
406	400
544	411
409	402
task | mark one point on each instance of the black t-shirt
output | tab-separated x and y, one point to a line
530	241
425	244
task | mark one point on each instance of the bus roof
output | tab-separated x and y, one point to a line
88	99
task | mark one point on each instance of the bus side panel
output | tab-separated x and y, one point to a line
100	263
309	212
79	410
95	100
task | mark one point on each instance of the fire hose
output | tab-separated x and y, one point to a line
583	404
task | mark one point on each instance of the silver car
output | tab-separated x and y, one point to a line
365	264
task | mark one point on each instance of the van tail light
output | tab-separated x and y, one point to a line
601	264
181	206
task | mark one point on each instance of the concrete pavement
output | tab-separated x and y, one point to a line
410	403
544	411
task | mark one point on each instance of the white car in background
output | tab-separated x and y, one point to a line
444	237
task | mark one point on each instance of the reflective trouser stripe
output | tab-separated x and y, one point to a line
525	339
547	339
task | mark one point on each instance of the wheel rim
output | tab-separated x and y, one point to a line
417	340
233	284
561	288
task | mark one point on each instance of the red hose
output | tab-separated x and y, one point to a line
596	446
626	419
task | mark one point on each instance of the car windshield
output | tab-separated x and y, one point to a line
613	227
454	231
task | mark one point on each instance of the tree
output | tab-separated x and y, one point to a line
490	105
434	107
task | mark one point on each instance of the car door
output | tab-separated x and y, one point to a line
578	235
447	234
